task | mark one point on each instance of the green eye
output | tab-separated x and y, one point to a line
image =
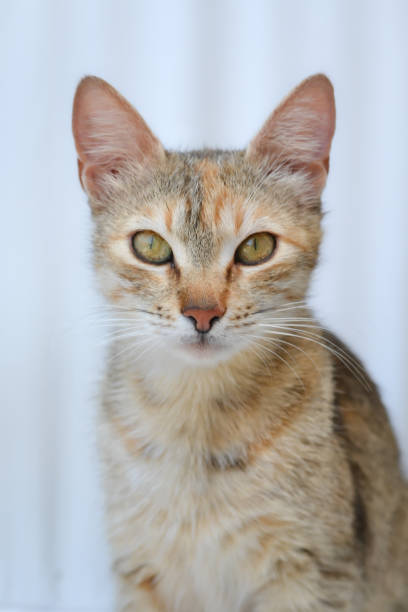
151	247
256	249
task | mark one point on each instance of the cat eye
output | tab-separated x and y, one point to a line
256	249
152	248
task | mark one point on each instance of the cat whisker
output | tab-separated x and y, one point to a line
291	344
151	347
114	323
351	364
293	306
109	334
296	324
286	351
133	347
290	323
84	325
125	335
123	309
266	339
304	321
275	354
301	329
122	317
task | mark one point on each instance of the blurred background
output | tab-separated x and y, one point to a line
201	72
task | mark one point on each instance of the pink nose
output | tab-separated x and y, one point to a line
203	318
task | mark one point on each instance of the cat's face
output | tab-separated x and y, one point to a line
198	253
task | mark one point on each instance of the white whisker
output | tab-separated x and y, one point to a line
133	347
275	354
292	345
351	364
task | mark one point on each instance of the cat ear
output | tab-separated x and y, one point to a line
298	134
108	132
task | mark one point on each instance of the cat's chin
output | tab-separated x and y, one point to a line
204	353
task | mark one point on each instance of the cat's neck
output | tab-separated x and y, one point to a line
207	410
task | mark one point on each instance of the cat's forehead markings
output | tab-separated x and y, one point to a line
208	172
191	219
239	216
168	217
212	189
217	195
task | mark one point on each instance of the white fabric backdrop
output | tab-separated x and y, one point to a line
201	73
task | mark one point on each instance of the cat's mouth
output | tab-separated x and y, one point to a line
201	342
202	345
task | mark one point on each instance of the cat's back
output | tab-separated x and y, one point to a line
380	493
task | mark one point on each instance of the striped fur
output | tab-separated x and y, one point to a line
254	470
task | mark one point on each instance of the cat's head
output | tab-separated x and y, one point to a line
199	252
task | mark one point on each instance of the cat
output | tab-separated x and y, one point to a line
249	465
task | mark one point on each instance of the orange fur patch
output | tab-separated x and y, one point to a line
168	218
209	172
148	583
239	217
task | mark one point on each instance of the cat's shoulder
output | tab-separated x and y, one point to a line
359	415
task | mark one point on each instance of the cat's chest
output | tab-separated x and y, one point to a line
200	524
179	525
181	491
177	486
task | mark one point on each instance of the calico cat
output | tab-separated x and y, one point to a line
249	462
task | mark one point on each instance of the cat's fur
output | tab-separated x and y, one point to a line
256	472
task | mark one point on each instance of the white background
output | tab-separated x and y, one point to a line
202	73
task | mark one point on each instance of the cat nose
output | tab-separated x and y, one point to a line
203	318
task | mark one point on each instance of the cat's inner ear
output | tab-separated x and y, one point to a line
298	134
109	133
